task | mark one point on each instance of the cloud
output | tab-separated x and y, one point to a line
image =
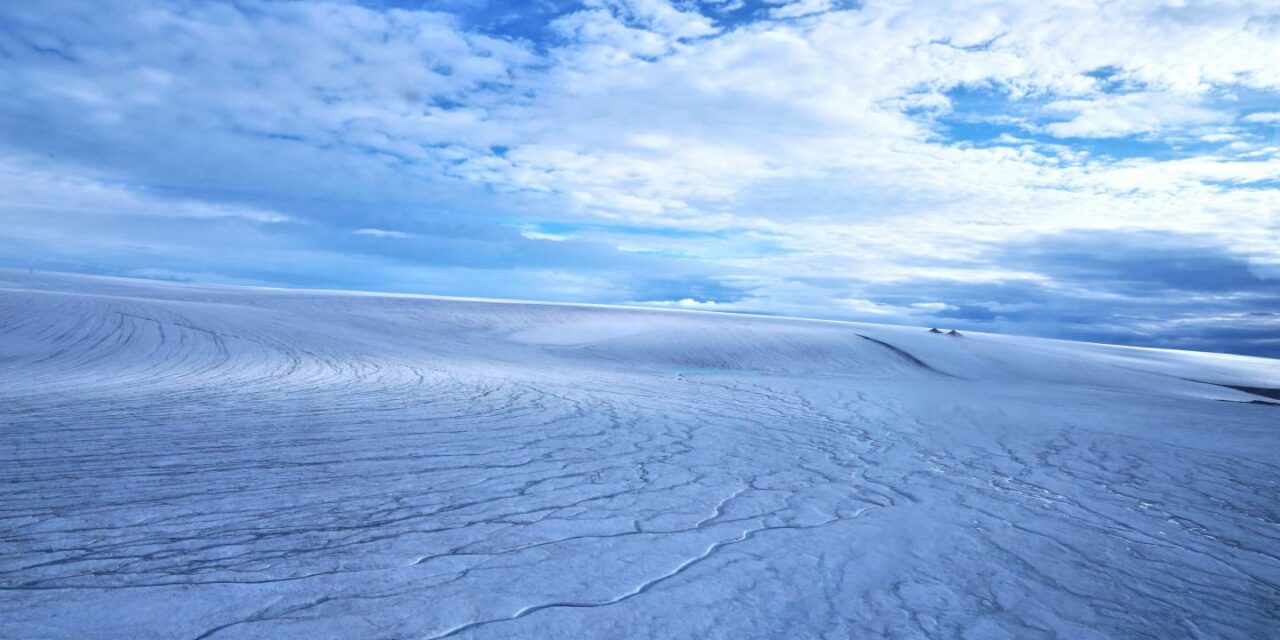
1126	114
31	189
800	8
683	303
931	306
381	233
1149	288
801	157
1143	263
615	30
1264	117
538	235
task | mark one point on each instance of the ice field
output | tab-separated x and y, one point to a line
197	462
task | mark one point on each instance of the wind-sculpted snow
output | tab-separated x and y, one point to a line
200	462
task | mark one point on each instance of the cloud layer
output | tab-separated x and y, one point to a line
1101	170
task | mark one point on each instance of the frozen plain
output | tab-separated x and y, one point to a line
217	462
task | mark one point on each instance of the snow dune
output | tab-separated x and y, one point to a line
218	462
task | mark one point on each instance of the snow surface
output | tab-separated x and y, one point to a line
217	462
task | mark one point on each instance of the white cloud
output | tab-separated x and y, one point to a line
661	17
538	235
381	233
1110	116
865	307
770	104
1219	137
821	132
931	306
690	303
800	8
29	189
615	30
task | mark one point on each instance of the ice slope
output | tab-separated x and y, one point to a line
215	462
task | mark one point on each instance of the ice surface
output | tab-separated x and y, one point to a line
204	462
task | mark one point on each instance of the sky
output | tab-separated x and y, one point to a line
1095	170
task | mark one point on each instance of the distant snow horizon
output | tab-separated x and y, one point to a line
637	306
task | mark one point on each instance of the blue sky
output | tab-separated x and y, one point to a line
1103	171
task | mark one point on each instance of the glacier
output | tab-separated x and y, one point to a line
187	461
